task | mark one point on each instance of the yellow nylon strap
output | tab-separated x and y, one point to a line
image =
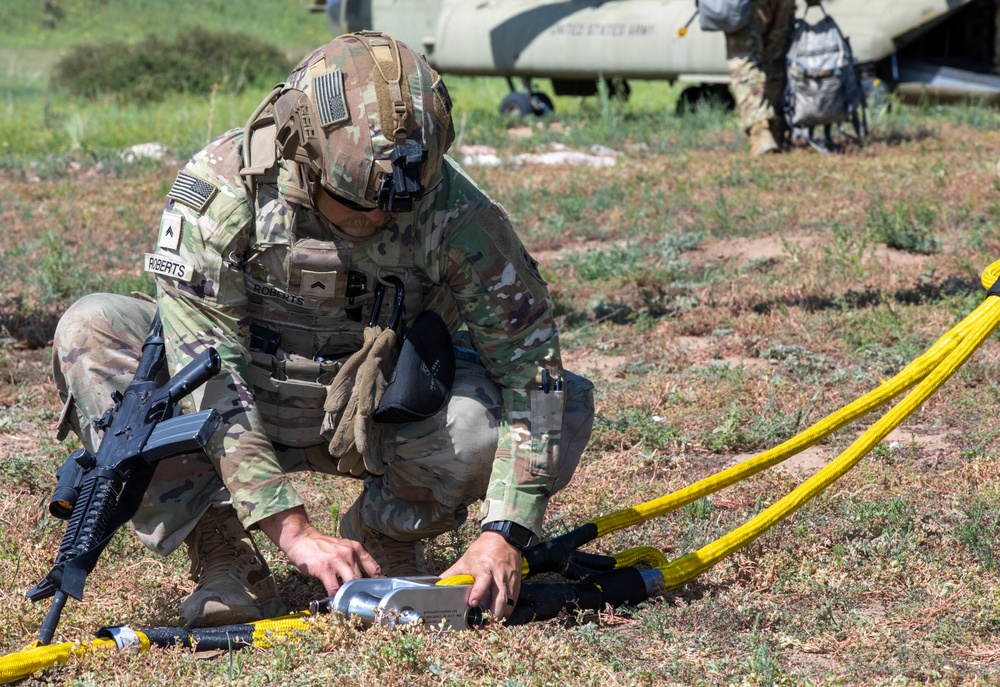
990	275
909	376
24	663
693	564
647	555
265	632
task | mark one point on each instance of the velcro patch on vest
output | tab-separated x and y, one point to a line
319	284
192	191
265	290
330	101
169	267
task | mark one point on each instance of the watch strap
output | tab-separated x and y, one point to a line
518	536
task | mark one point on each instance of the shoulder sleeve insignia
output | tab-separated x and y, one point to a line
170	230
192	191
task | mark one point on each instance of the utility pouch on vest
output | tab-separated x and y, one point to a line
424	372
357	440
289	391
578	423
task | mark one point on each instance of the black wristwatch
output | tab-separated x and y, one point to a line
518	536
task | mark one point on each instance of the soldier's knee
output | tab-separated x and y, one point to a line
75	315
82	316
473	431
101	318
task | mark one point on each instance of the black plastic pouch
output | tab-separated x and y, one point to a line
425	371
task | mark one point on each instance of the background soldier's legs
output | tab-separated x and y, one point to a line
756	58
745	54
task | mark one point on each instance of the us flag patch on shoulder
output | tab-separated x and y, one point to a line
192	191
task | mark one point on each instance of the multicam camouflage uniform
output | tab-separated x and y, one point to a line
225	262
756	57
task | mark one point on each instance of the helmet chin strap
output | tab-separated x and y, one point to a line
284	127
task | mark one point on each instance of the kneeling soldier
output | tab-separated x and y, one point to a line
273	245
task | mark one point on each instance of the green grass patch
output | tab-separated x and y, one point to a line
633	428
979	528
632	259
908	225
719	303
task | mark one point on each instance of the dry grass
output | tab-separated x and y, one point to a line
756	297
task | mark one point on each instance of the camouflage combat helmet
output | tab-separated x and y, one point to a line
368	118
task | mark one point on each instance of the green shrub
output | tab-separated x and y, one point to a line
196	62
978	530
908	226
631	428
616	261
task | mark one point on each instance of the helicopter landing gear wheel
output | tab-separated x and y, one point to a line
522	104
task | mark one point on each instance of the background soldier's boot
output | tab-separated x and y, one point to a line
234	583
762	140
779	130
397	558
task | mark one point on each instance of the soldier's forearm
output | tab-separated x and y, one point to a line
287	527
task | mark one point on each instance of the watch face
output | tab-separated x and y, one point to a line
518	536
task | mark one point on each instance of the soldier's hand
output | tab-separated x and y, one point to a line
331	560
496	565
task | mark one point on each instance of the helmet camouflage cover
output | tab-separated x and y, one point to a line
361	110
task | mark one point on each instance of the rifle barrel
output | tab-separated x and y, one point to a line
52	618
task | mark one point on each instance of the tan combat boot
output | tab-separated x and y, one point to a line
396	558
762	140
234	583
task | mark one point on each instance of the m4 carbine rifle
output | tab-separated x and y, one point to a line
98	493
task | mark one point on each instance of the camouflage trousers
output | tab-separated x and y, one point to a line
756	58
442	464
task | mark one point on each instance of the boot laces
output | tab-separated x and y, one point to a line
223	548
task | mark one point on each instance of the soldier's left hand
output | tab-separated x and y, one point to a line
496	565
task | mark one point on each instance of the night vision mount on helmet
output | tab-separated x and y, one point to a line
368	118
